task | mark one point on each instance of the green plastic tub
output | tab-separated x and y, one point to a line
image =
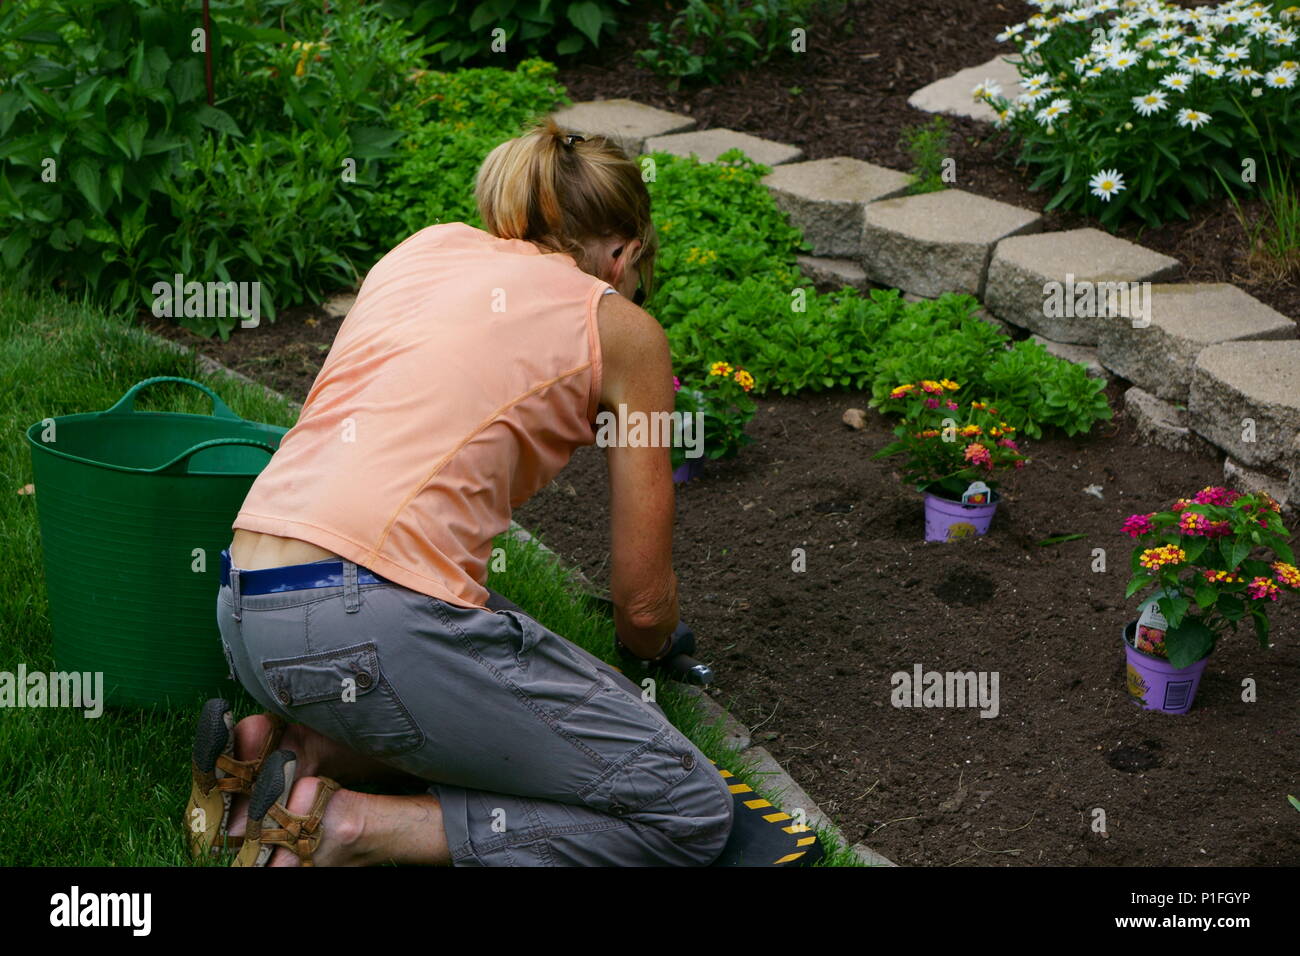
135	509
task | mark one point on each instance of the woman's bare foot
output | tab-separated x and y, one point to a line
317	754
364	829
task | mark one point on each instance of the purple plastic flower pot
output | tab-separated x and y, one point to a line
690	468
947	520
1155	683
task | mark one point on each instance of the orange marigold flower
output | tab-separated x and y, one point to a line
949	384
744	379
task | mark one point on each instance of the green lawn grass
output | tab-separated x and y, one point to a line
111	791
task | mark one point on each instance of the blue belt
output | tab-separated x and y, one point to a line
294	577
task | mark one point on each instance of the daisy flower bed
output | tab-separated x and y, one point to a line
1147	108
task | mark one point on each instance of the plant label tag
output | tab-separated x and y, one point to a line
1151	618
977	494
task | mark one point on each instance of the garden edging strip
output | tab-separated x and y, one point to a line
736	734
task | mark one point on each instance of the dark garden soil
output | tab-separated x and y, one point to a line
805	658
847	96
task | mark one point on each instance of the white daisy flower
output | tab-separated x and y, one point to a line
1193	63
1258	12
987	89
1106	183
1036	82
1153	102
1172	51
1121	60
1245	74
1176	81
1097	70
1231	19
1232	54
1280	79
1146	43
1282	37
1037	41
1259	28
1213	71
1201	39
1193	118
1081	63
1168	35
1010	32
1050	114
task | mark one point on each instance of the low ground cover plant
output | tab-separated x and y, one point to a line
948	444
1214	559
1144	108
728	284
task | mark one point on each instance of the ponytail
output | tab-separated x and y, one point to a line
559	190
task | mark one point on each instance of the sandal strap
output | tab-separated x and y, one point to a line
240	773
300	832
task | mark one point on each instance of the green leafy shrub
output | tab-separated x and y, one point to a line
145	179
450	124
1142	112
705	41
464	29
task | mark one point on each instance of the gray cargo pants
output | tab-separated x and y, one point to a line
540	754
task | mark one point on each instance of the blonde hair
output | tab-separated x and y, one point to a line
559	190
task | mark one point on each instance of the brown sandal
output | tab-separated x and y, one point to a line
300	833
218	777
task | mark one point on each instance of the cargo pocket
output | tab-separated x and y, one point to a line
345	689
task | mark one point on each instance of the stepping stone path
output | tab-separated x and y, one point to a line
1237	384
627	122
938	242
709	144
1183	320
825	199
1023	267
1227	356
952	94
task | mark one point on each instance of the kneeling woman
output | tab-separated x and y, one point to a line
471	366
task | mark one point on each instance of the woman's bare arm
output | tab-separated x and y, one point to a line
638	380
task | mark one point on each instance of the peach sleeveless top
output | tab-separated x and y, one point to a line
459	384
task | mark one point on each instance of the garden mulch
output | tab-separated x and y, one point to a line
847	96
805	658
